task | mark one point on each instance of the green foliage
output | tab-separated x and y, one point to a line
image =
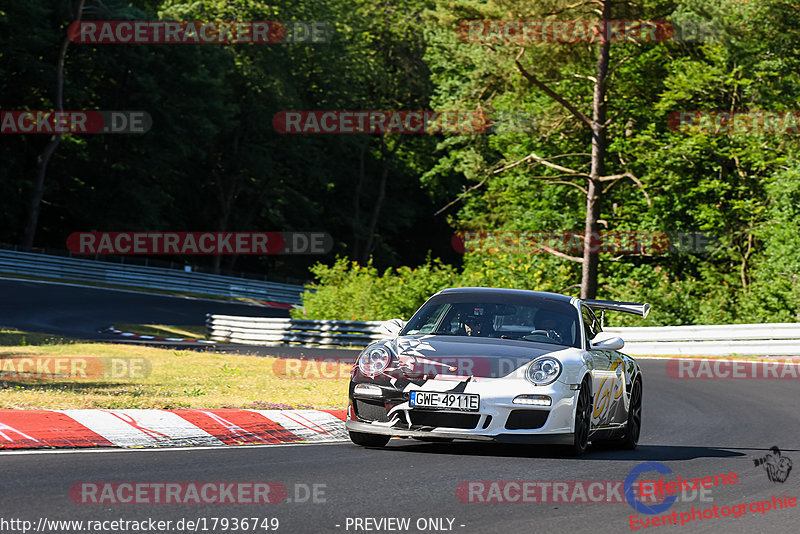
774	295
539	272
349	291
212	161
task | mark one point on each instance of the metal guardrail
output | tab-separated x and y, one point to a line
27	263
780	339
770	339
276	331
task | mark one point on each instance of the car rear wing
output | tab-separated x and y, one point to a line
612	305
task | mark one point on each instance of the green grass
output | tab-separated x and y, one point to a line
16	338
177	379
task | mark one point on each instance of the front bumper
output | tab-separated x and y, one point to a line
542	439
497	419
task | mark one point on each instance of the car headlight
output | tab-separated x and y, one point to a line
543	371
374	361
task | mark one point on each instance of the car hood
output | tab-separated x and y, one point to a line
426	356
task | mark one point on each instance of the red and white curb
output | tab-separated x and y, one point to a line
22	429
131	335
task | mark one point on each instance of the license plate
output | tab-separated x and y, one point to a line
445	401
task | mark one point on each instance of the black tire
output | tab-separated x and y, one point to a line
369	440
583	421
634	426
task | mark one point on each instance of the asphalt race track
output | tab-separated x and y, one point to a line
80	311
696	428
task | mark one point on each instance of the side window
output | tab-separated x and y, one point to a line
590	323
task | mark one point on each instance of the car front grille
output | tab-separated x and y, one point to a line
526	419
465	421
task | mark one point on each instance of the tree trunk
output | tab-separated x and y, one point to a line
356	250
44	158
599	146
376	211
387	156
226	198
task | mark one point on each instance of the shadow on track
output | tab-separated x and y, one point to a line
498	450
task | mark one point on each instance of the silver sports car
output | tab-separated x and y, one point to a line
499	365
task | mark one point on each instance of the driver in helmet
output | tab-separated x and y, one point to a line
550	322
478	323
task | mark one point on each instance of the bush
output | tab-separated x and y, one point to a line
349	291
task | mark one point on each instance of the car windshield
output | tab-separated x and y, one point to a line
528	319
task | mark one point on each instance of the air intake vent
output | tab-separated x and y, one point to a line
371	410
450	420
527	419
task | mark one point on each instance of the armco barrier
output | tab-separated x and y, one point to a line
26	263
782	339
275	331
770	339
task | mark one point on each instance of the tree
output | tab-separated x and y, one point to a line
44	157
568	70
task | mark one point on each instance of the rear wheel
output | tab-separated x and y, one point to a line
634	423
369	440
583	418
634	426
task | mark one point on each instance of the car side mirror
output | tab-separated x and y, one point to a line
392	327
608	343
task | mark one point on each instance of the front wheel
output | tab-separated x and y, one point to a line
583	418
368	440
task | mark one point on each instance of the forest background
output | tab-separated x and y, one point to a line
555	159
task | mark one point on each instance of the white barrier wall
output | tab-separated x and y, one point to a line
782	339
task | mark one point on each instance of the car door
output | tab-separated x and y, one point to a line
605	379
618	407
